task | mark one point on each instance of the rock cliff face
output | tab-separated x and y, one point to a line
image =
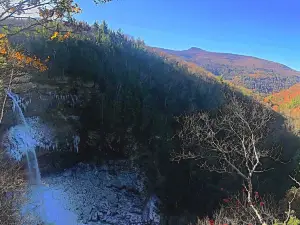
113	193
50	109
40	97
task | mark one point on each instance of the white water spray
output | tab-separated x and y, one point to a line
27	141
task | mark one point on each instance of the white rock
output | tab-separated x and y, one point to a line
94	199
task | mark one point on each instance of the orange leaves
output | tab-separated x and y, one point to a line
60	37
295	112
67	35
19	59
54	35
3	51
3	44
22	60
275	108
18	56
76	9
266	100
286	96
287	102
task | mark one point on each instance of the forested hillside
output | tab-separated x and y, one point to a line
134	96
163	113
253	73
287	102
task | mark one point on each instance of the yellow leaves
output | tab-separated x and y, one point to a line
22	60
76	9
3	44
60	37
19	59
54	35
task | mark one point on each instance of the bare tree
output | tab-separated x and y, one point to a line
17	16
32	13
230	141
291	202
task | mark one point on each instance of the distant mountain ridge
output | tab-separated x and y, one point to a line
251	72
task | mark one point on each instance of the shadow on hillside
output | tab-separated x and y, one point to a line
200	192
129	113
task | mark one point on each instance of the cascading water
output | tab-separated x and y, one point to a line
27	141
68	199
44	205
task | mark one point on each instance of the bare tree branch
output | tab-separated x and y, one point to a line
5	97
231	140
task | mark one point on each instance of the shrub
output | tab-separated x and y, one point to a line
11	186
236	210
292	221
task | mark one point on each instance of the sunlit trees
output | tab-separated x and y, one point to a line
25	15
13	63
21	15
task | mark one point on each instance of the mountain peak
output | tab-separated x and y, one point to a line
267	75
195	49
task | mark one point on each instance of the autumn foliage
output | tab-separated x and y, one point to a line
287	102
285	97
3	44
19	59
60	37
253	73
140	92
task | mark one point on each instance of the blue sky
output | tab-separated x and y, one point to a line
268	29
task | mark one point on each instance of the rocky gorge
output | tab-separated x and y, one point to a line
70	192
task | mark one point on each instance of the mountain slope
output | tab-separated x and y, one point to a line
287	102
257	74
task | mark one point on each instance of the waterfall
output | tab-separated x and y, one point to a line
27	141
